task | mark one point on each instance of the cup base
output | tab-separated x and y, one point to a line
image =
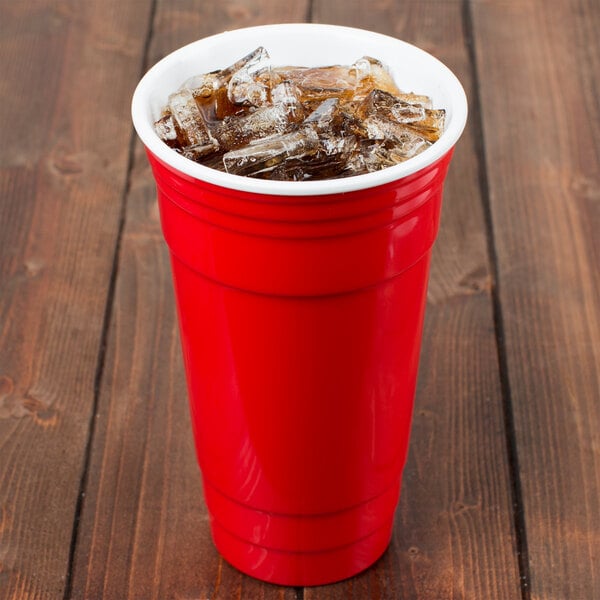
301	568
299	550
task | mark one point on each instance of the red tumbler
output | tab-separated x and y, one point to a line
301	307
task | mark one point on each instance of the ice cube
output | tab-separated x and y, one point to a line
375	155
389	106
403	112
234	132
371	74
393	133
251	57
285	92
331	157
382	101
263	156
319	83
217	106
203	85
432	126
196	153
250	84
287	171
323	116
233	89
188	120
424	101
210	92
407	146
381	106
166	131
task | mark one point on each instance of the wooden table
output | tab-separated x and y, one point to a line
99	490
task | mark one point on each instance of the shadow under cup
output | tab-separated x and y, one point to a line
301	307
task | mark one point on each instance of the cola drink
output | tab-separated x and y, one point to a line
296	123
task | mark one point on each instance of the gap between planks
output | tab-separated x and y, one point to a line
507	404
110	296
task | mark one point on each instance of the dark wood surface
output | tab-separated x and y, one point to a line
99	490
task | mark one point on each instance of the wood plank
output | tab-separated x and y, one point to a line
539	91
454	535
67	69
144	530
186	22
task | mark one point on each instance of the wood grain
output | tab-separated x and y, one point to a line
67	69
542	126
454	535
177	24
144	531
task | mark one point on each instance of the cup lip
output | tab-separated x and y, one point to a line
145	129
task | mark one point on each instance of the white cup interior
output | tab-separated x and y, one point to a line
413	69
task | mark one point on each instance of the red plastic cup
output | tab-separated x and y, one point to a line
301	308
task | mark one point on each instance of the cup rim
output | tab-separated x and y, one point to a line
140	112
